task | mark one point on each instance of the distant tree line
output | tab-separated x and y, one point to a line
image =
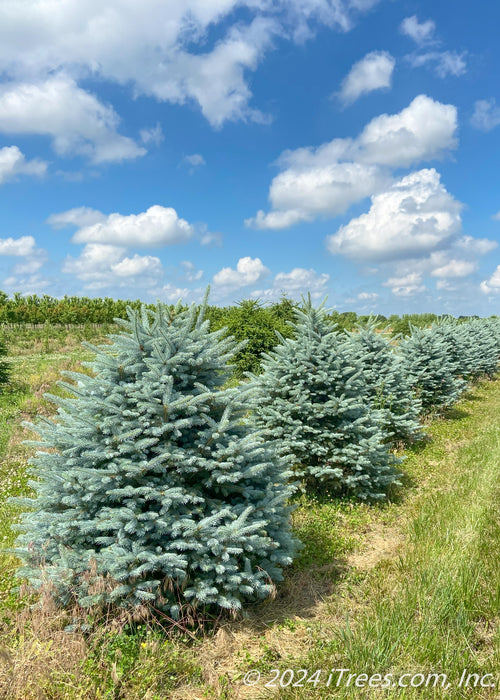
248	320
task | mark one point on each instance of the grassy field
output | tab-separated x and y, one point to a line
411	586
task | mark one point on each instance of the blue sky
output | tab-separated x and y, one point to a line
345	147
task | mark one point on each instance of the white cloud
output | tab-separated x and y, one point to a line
278	219
445	285
445	63
193	162
300	195
406	286
455	268
411	219
94	261
33	259
196	159
79	216
326	180
172	294
211	239
367	296
372	72
32	284
152	135
191	274
420	32
158	226
295	283
424	130
475	246
102	266
31	264
300	279
159	48
17	246
248	271
486	115
492	285
138	265
13	163
75	119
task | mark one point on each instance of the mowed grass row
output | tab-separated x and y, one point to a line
433	607
408	586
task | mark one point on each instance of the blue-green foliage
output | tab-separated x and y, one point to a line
477	346
313	401
388	385
151	486
432	367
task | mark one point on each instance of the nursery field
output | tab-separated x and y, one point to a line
395	599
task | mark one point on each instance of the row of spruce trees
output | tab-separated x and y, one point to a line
159	483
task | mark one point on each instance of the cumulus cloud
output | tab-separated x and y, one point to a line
17	246
168	54
77	121
486	115
406	286
326	180
32	259
475	246
31	264
445	285
424	130
455	268
279	219
492	285
13	163
172	294
373	72
248	271
191	274
447	265
295	283
420	32
329	190
103	265
158	226
367	296
138	265
415	216
30	284
79	216
444	63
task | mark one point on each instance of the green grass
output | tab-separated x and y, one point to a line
434	608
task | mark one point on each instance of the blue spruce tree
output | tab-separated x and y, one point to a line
431	367
479	348
151	487
388	385
312	400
